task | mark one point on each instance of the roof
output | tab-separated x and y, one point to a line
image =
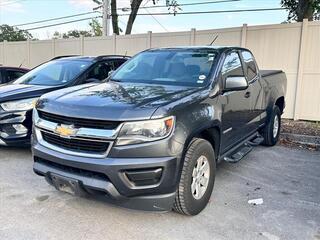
13	68
220	48
90	58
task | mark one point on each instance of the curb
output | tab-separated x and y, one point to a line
302	139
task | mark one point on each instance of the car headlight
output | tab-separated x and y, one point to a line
145	131
19	105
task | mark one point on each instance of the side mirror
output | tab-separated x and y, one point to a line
233	83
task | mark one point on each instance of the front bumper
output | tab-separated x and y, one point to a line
111	177
15	128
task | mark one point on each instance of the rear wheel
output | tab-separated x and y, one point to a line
271	131
197	178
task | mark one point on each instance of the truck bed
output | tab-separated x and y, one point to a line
265	73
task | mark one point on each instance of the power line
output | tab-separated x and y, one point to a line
207	12
57	24
157	20
54	19
183	4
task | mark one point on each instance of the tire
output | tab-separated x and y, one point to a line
186	201
270	138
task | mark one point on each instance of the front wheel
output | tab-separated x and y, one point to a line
197	178
271	130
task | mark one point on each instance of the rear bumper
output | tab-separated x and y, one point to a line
15	128
110	177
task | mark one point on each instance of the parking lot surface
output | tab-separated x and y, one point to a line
288	181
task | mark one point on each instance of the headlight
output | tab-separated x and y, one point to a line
19	105
145	131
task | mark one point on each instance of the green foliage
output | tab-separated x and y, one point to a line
96	28
13	34
300	9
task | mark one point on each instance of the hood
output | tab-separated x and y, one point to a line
10	92
112	101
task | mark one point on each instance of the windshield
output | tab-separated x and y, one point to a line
187	67
54	73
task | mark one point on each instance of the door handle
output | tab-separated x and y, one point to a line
247	94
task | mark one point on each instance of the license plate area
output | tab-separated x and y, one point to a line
67	185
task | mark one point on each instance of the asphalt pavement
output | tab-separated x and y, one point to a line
287	180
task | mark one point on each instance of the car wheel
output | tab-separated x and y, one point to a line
271	131
197	178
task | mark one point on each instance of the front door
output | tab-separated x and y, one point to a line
235	105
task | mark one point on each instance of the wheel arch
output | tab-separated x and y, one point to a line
280	103
211	133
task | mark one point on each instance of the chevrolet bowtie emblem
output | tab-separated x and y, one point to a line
66	130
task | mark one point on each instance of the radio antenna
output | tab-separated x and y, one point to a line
215	38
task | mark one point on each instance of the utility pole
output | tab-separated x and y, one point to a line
106	17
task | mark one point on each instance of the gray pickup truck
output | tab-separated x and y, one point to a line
151	136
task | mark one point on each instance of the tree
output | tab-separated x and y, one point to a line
96	28
300	9
76	34
135	4
134	7
114	14
13	34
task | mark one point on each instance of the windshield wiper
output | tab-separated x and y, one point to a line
114	80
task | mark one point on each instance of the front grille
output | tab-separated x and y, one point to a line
79	122
87	146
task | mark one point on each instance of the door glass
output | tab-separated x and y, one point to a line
13	75
251	68
100	71
118	63
232	66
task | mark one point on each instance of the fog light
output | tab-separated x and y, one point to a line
144	177
20	129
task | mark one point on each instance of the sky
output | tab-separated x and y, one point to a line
13	12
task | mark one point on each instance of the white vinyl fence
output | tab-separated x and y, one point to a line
294	48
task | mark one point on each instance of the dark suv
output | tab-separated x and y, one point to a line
17	98
150	138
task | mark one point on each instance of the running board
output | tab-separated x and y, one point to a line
256	141
238	152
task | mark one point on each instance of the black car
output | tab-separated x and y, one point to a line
17	98
151	136
8	74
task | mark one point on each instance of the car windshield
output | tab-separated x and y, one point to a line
187	67
54	73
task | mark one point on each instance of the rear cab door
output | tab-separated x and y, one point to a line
255	89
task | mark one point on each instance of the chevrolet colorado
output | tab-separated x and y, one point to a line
151	136
17	98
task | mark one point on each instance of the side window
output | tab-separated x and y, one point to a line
232	66
251	68
101	70
118	63
13	75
